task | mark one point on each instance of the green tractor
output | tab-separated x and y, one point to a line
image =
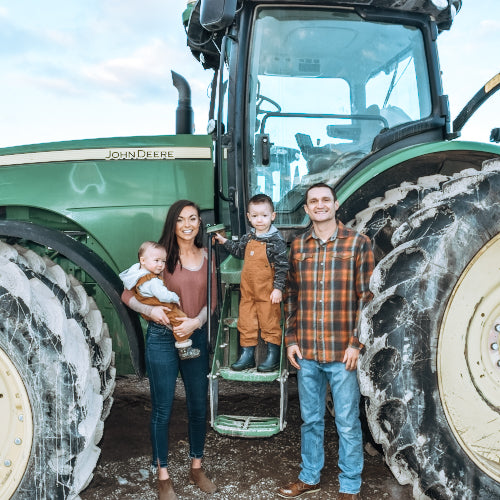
346	92
350	93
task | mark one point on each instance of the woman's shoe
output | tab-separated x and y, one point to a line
198	477
166	490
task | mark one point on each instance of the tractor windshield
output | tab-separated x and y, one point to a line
322	84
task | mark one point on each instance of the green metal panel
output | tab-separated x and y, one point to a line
111	193
386	162
119	202
230	270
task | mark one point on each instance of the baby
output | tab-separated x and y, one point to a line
145	280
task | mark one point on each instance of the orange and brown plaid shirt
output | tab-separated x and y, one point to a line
328	285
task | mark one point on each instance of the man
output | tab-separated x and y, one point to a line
328	285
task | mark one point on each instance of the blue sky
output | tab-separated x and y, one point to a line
74	69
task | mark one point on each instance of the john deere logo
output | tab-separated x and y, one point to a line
95	154
140	154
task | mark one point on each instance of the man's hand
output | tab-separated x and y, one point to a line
276	296
291	352
351	358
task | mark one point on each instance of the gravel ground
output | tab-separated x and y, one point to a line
242	468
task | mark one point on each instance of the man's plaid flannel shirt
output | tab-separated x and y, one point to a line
328	285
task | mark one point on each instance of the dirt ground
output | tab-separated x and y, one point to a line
245	469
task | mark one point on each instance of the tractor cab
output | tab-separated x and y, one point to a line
326	89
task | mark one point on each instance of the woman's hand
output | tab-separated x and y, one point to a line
187	327
158	315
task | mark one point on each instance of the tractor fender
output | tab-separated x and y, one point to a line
96	267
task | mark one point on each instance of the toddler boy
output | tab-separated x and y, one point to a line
263	278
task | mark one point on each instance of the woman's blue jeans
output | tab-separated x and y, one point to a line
163	365
312	379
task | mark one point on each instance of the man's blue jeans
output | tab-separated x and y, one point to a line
312	380
163	365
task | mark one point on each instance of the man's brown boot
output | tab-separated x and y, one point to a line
349	496
297	489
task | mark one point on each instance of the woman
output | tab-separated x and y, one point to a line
186	275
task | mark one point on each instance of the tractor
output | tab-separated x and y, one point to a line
350	93
344	92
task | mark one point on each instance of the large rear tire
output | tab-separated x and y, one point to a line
384	215
431	370
56	380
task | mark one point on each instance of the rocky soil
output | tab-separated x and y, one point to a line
242	468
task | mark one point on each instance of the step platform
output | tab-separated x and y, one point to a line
248	427
250	375
226	352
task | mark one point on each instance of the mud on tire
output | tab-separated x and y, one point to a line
387	213
400	371
53	334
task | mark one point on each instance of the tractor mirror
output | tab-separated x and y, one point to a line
495	135
217	14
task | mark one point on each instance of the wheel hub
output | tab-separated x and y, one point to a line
468	359
16	429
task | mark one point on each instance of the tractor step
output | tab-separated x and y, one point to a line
250	375
248	427
226	351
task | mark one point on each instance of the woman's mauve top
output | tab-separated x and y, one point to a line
190	284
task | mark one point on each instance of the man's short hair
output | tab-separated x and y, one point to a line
147	245
260	198
321	185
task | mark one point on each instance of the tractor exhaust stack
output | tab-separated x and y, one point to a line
184	112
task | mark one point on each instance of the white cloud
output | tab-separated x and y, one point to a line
59	37
57	86
491	25
144	63
143	75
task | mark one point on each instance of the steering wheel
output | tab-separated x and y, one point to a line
261	99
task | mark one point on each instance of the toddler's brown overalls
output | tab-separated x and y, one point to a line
256	310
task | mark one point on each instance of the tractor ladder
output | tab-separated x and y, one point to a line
226	353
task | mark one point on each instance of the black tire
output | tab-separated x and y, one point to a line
54	336
384	215
403	328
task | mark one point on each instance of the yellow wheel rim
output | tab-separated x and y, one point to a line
16	429
468	359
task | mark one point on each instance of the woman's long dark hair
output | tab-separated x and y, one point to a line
168	238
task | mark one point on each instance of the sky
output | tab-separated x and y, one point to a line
74	69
